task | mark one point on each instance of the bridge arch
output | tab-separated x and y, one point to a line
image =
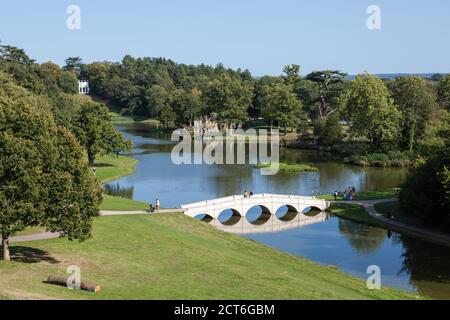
258	214
229	217
311	211
204	217
286	213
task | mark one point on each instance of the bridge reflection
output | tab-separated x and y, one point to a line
272	224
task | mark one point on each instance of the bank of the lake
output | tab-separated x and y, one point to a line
110	168
171	256
390	221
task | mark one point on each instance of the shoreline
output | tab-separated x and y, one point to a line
379	220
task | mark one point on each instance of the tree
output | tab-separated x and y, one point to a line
261	91
229	99
74	64
282	107
417	103
91	124
44	176
157	98
307	91
443	90
328	131
436	134
330	83
367	104
186	105
426	192
15	55
167	115
291	73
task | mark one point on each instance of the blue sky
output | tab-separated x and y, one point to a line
260	35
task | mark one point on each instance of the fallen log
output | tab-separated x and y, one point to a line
62	281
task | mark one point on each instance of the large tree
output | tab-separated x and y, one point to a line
157	98
91	124
228	99
44	175
330	84
417	103
282	107
426	192
74	64
369	108
187	105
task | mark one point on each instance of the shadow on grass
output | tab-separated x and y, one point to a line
30	255
103	165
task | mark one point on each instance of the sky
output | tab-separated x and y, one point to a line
259	35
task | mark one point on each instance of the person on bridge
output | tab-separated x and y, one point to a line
335	195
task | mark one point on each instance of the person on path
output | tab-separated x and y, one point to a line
157	204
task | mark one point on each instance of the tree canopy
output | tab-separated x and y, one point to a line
44	175
369	108
91	124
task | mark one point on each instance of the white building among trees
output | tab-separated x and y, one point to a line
83	86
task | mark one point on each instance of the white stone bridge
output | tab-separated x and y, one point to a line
277	212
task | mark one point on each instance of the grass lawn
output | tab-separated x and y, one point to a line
111	203
367	195
353	212
290	168
110	168
171	256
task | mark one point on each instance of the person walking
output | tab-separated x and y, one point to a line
157	204
335	195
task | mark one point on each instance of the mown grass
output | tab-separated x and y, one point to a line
112	167
366	195
289	168
171	256
353	212
111	203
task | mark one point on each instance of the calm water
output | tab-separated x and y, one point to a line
405	263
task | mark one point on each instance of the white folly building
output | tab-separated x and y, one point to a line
83	86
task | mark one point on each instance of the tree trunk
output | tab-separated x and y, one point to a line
91	158
5	245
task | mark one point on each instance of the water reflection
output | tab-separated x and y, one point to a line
267	224
364	239
405	263
157	177
115	189
428	267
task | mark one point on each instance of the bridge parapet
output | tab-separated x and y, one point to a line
241	204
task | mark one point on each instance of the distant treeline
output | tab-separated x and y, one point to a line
373	121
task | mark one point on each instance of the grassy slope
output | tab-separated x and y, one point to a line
171	256
114	167
111	168
121	204
367	195
353	212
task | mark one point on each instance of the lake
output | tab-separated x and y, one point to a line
406	263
